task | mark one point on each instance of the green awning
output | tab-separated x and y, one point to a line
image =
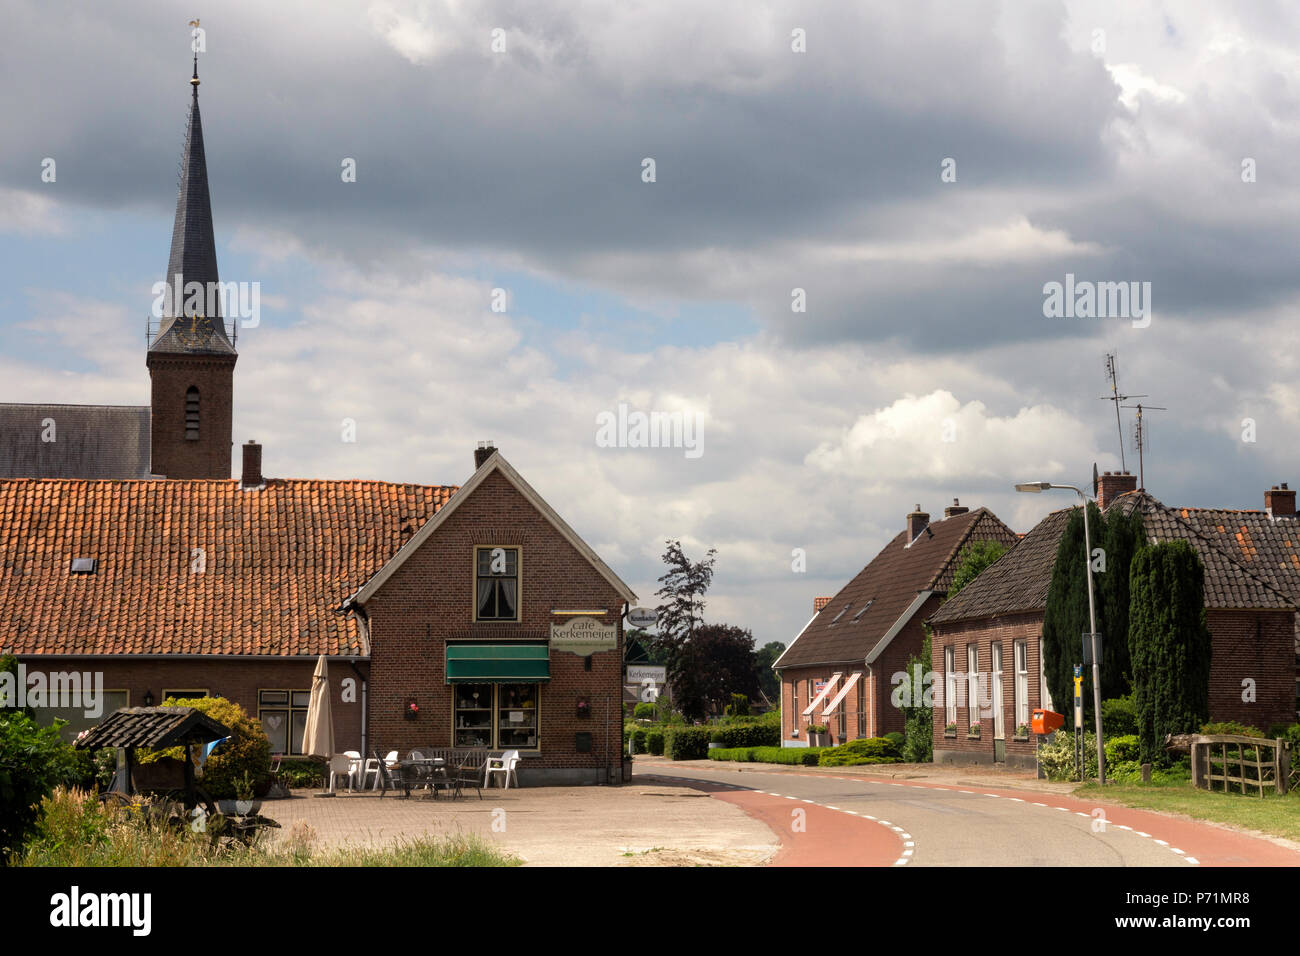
499	663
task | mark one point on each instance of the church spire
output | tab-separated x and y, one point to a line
192	324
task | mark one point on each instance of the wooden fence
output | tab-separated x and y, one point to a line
1258	763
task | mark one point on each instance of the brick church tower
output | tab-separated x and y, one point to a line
191	359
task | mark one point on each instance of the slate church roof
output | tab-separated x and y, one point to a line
90	441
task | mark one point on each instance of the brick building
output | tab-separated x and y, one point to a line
994	626
470	617
838	671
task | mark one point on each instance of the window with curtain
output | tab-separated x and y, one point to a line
1022	683
283	714
496	583
949	686
999	731
862	708
972	684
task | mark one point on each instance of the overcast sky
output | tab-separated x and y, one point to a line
1114	141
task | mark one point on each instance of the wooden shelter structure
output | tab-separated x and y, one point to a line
155	728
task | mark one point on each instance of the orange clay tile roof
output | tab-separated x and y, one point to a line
273	565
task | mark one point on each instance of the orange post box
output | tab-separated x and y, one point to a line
1045	721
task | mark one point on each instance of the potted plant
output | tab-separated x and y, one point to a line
1022	731
817	735
973	732
950	730
412	709
243	805
627	768
716	741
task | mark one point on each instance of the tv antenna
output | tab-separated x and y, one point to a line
1140	436
1119	400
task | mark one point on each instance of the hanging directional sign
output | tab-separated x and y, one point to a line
642	617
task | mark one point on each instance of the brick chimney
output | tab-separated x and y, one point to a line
819	603
1112	484
483	452
916	522
956	508
252	473
1280	502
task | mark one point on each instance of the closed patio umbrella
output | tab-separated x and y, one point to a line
318	735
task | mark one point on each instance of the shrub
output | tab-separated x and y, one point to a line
298	774
687	743
865	751
654	742
817	728
739	754
1121	749
1056	757
33	761
644	711
638	740
1230	728
898	741
796	756
1119	717
248	751
739	706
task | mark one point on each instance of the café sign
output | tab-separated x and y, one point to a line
584	636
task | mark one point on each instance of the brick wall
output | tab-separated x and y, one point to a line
170	377
235	679
1006	630
1258	646
430	599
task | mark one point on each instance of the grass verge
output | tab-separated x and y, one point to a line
1273	814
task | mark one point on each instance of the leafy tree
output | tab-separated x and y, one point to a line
716	662
768	683
975	557
33	761
1066	618
1169	645
684	586
918	717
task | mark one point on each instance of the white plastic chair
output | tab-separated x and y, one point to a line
372	766
504	765
341	765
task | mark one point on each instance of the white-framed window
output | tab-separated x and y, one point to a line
1022	683
496	716
949	686
999	719
972	684
496	584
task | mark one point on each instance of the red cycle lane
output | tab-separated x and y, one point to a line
816	837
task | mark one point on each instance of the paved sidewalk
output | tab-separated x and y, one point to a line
636	824
954	774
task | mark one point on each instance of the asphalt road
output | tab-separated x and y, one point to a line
872	822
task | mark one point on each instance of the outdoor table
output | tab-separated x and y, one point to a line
427	772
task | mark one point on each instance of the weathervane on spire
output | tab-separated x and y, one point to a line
198	44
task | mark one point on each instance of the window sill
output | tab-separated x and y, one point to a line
950	734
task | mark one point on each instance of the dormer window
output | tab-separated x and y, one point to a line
496	584
192	414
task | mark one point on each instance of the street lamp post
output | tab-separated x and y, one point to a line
1036	487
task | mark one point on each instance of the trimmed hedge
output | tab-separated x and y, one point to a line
692	743
794	756
654	742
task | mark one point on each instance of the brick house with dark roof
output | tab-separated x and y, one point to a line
997	621
838	671
468	618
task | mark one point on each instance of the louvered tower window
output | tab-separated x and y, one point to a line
192	414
